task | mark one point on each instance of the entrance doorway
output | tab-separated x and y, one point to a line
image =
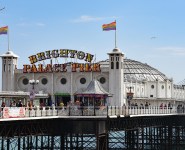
62	97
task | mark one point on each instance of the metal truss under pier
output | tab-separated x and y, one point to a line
40	142
129	133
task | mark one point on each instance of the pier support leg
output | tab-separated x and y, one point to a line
8	143
102	142
62	142
169	137
2	143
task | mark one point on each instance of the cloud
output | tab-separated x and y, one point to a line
173	50
24	24
86	18
153	37
40	24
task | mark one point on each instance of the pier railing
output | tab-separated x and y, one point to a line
109	111
127	111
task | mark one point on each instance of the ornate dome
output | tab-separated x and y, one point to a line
137	71
9	54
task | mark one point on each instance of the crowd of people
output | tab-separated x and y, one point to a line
146	105
13	104
42	104
141	106
17	104
76	103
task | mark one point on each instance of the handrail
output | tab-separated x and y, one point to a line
106	111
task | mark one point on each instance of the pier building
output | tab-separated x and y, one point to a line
121	81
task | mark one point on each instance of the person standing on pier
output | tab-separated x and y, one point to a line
14	104
61	104
20	103
82	106
3	104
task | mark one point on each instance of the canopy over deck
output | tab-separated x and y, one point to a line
94	89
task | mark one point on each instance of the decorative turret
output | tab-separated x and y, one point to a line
9	64
116	77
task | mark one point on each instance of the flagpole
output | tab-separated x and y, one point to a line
115	37
8	41
92	75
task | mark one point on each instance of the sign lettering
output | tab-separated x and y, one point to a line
62	53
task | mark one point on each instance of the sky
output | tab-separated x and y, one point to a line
149	31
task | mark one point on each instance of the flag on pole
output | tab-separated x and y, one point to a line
110	26
4	30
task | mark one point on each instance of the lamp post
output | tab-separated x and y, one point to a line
130	94
33	82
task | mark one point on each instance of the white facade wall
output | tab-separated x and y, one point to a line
169	88
140	90
179	94
161	90
152	88
54	81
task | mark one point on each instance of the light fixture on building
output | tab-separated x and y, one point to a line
33	82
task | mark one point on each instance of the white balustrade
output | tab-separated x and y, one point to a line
97	111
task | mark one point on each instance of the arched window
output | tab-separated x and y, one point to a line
117	65
112	65
4	65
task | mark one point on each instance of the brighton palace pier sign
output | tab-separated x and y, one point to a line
63	53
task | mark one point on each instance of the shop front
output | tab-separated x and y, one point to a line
62	98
